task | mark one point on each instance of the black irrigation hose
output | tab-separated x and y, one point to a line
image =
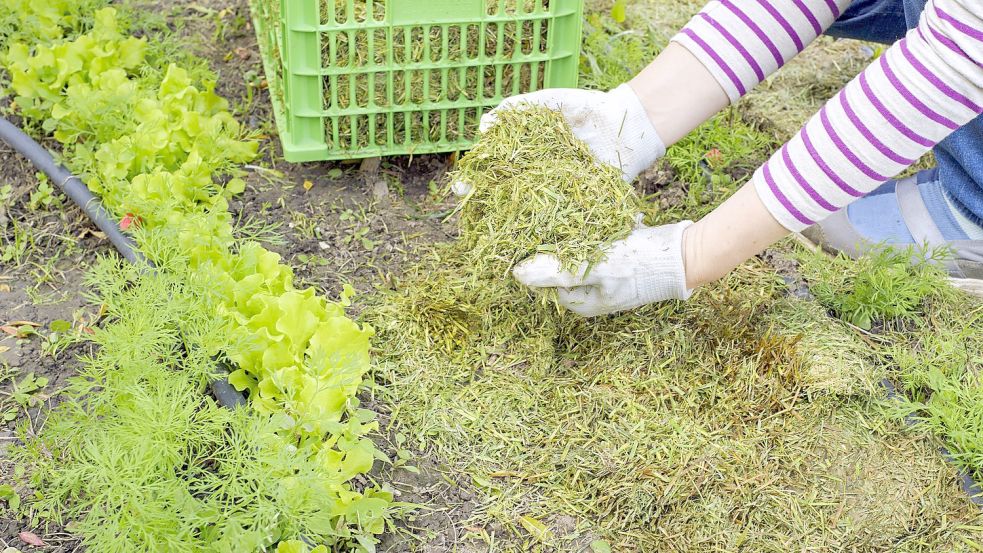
72	186
75	189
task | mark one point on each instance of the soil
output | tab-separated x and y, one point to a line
41	287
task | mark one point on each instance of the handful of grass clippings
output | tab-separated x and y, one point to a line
536	188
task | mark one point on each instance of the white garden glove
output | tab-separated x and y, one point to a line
614	125
646	267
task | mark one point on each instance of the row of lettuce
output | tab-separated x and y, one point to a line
164	151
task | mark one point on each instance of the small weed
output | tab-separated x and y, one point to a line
359	215
61	334
254	81
6	195
45	196
14	248
9	496
23	393
313	260
359	235
304	225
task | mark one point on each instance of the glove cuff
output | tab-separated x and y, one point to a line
665	271
640	138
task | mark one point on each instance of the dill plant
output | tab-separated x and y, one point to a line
886	285
137	457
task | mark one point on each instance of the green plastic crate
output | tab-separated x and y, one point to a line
353	79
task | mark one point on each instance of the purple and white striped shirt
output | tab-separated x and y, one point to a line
922	89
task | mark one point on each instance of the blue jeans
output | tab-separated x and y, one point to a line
960	157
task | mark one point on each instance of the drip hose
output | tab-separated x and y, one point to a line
75	189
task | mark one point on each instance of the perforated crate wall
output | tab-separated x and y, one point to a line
363	78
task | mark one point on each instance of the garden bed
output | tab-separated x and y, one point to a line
749	418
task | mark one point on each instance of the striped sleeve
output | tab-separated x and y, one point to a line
741	42
922	89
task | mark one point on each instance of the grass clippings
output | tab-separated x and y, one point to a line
743	419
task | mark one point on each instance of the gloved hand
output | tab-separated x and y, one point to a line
646	267
614	125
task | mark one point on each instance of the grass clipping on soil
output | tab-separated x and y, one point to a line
744	418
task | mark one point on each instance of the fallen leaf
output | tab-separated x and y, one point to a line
243	53
600	546
30	538
308	185
4	349
25	323
9	330
88	330
536	529
99	234
4	287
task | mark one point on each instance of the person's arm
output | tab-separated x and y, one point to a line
921	90
742	42
717	58
726	50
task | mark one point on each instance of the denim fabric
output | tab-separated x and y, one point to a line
960	157
872	20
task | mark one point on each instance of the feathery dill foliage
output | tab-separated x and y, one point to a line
137	456
155	143
615	52
882	286
929	340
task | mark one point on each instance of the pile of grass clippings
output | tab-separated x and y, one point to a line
537	188
744	419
